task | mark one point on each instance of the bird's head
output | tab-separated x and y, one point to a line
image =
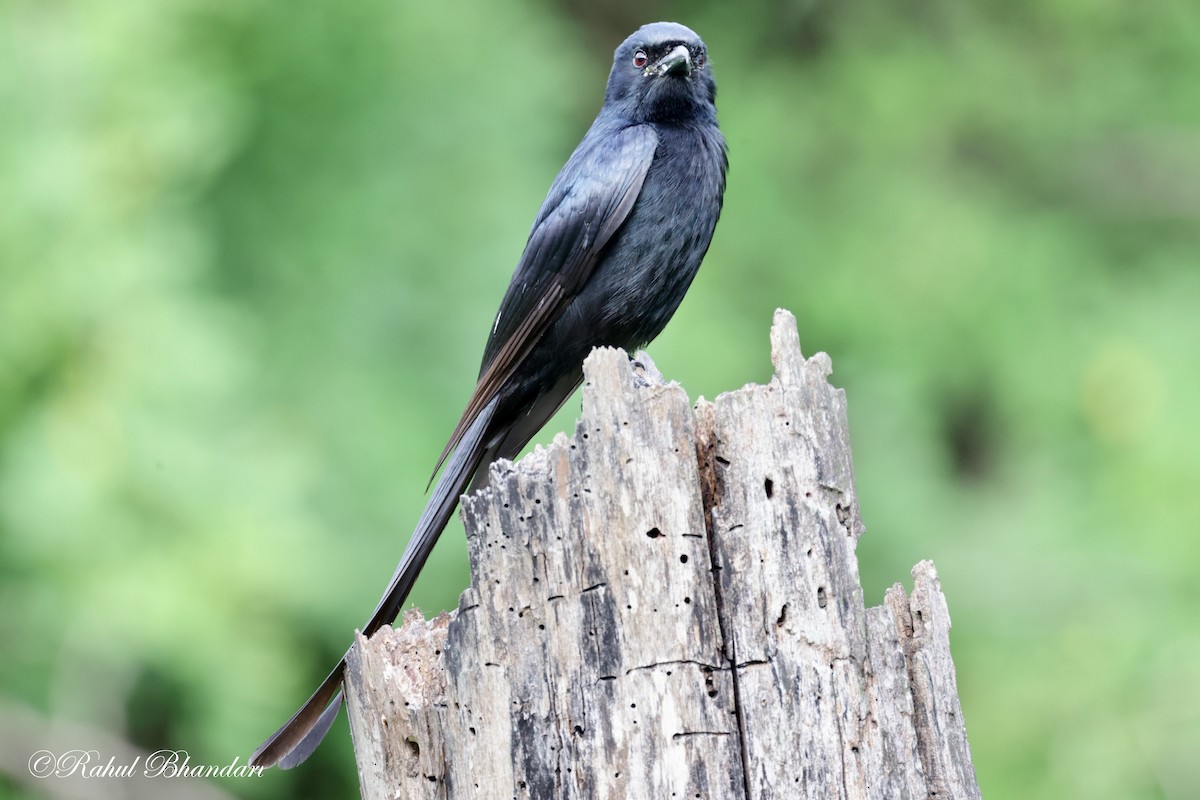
661	74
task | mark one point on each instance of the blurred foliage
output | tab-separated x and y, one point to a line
249	252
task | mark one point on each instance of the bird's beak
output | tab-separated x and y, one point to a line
676	62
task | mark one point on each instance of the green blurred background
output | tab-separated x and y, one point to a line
250	250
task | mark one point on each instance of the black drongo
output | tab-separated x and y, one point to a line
613	250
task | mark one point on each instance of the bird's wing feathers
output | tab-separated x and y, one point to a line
588	202
586	206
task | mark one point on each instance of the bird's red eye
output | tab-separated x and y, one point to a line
639	59
700	59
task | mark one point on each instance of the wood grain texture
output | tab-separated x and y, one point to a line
667	604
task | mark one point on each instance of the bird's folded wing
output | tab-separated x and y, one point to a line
587	204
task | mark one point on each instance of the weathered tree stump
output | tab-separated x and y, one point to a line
667	605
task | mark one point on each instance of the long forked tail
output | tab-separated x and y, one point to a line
299	736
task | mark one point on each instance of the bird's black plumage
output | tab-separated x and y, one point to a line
611	254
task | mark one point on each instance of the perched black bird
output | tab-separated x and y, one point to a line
611	254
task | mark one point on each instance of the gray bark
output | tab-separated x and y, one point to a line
667	604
